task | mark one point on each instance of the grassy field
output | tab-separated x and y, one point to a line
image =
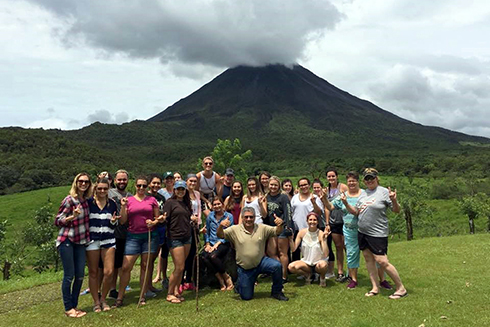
445	278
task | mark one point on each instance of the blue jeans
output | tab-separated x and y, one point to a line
247	277
73	260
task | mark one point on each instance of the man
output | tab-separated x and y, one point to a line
169	180
227	183
250	240
116	194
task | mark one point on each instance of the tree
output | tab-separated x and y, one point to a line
227	154
11	253
475	206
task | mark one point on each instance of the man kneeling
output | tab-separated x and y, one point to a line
249	240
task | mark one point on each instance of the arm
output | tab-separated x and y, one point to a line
198	184
328	205
351	209
242	203
279	224
124	210
219	185
220	232
316	208
263	205
323	244
297	242
394	201
66	213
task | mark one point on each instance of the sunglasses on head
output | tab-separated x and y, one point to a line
141	185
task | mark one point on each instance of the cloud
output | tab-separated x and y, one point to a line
104	116
218	33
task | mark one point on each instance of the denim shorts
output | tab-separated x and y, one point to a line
286	233
95	245
179	242
138	243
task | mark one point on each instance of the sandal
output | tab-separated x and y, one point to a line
142	301
180	297
118	304
396	296
72	313
173	299
97	308
105	306
323	282
371	294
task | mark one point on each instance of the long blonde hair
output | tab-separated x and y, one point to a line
74	187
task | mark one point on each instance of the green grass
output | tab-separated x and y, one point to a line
444	277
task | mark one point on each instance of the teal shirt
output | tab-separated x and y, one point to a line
350	221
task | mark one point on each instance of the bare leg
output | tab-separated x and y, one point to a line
382	260
93	258
283	247
158	276
108	259
128	264
338	239
179	255
371	268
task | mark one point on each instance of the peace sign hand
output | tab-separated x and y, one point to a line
115	218
343	197
124	201
392	194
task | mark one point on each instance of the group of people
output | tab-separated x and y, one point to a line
271	227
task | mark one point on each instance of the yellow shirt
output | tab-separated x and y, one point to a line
249	247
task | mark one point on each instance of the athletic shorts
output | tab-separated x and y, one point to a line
119	256
337	229
377	245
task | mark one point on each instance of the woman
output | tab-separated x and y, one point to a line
301	204
195	197
215	249
264	181
314	251
162	253
255	200
178	212
73	220
323	225
102	221
350	224
142	213
177	176
233	201
278	206
335	222
287	188
209	182
373	230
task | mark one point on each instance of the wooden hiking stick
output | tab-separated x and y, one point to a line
147	268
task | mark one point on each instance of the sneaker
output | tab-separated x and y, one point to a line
113	294
385	284
352	285
316	277
329	275
165	283
341	278
300	277
285	280
85	291
150	294
189	286
128	288
280	296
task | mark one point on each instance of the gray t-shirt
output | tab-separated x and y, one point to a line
121	230
372	206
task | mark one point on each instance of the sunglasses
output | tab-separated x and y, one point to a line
83	181
208	163
303	185
248	216
369	178
141	185
102	188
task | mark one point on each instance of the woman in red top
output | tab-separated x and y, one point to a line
233	201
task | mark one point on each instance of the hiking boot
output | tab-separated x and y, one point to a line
280	296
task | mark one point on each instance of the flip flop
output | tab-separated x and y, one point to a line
396	296
105	306
371	294
97	308
173	299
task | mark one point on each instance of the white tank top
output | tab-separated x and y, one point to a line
311	248
255	204
206	185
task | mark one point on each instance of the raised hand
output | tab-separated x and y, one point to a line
124	201
392	194
114	218
343	197
313	199
278	221
225	223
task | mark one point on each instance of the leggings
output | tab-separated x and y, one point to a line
214	261
189	261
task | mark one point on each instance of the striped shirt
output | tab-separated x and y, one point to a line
76	230
101	226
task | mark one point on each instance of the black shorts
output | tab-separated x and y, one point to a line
337	229
377	245
165	251
119	256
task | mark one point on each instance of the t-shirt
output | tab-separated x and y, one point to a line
279	205
372	206
350	221
178	219
301	209
165	193
226	191
160	200
336	215
139	212
249	247
121	229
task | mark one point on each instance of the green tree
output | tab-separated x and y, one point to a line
12	254
228	154
475	206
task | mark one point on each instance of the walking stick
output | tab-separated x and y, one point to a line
147	268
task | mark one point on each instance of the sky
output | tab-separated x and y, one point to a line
66	64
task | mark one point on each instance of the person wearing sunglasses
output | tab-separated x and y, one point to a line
208	182
249	240
373	230
142	213
102	246
73	221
